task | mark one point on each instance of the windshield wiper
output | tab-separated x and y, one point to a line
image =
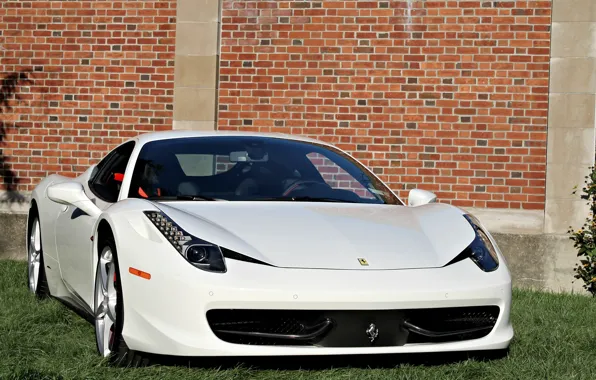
304	199
183	198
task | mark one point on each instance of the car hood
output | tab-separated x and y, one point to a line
329	235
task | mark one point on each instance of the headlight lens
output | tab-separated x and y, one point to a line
482	251
198	252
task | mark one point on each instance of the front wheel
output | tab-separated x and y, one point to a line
36	274
109	311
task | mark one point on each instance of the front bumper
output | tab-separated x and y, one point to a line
167	314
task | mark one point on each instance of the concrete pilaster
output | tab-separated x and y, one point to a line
572	104
196	65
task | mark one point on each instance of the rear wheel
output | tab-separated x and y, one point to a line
36	273
109	311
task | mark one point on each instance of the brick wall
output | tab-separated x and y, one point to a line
90	74
449	96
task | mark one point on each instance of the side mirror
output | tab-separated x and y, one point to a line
73	194
418	197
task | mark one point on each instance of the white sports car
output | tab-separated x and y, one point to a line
235	244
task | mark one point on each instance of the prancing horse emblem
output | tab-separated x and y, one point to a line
372	332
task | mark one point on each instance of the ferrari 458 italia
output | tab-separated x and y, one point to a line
194	244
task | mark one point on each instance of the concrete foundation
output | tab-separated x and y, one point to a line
12	236
542	262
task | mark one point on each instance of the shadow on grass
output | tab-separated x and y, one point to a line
377	361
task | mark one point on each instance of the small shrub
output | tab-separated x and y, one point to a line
583	239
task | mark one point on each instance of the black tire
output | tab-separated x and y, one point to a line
121	355
42	290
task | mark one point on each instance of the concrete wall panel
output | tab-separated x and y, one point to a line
196	64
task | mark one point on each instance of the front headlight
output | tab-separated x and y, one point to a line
198	252
481	251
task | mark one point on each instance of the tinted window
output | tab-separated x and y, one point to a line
252	168
107	181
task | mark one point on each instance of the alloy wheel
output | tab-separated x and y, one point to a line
105	302
34	255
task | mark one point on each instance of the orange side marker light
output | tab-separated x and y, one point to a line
139	273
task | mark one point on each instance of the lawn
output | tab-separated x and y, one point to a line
555	339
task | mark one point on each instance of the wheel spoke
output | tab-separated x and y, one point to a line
34	255
31	282
110	281
103	281
101	310
108	323
103	327
32	244
111	293
37	236
105	263
102	333
107	255
35	276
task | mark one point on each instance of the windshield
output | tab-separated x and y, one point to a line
252	168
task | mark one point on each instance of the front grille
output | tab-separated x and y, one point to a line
478	320
229	325
348	328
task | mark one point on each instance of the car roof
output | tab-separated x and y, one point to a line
166	135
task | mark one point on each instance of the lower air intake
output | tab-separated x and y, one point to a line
352	328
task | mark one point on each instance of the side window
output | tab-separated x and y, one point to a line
107	181
336	177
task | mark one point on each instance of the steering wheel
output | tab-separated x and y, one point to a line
300	183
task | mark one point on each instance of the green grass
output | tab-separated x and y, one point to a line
555	339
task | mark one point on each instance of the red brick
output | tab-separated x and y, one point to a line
485	70
58	70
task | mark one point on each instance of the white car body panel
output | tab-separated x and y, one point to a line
387	236
313	249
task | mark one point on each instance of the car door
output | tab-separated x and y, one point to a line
74	227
